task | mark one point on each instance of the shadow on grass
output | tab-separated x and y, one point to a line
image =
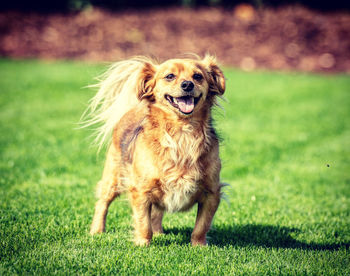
251	235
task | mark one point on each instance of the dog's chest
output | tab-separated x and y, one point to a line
180	196
181	170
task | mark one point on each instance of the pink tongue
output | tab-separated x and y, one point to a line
186	104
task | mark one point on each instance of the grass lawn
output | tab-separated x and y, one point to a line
285	152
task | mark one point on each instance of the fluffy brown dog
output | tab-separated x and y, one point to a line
164	151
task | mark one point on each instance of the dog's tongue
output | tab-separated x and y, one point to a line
186	104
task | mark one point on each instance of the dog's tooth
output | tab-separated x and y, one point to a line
175	100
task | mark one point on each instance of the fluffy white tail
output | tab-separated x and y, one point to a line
117	94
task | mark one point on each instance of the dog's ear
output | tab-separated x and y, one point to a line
216	77
146	82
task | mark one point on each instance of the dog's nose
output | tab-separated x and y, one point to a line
187	86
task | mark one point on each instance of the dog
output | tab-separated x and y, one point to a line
164	151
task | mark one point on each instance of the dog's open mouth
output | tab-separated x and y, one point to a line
185	104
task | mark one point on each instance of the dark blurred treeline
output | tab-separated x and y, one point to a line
77	5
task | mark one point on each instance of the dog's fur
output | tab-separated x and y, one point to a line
164	151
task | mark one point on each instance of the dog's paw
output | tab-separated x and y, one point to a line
96	230
157	233
202	242
142	242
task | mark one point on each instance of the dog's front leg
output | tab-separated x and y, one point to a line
141	207
206	210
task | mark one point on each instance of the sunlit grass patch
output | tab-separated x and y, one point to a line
285	153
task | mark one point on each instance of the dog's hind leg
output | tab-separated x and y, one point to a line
107	191
101	209
156	220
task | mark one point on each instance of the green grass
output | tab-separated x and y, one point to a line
285	212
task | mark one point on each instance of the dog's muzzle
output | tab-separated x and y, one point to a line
184	104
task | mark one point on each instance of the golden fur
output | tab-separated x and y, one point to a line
164	151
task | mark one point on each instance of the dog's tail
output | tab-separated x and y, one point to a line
117	94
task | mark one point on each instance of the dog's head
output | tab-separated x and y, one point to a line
184	86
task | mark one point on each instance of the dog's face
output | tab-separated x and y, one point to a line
182	86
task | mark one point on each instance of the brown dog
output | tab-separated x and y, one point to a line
164	151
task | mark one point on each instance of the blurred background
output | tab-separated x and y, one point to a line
270	34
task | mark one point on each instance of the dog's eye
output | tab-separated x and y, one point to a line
197	77
170	77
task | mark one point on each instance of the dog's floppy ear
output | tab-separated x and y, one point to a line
216	77
146	82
